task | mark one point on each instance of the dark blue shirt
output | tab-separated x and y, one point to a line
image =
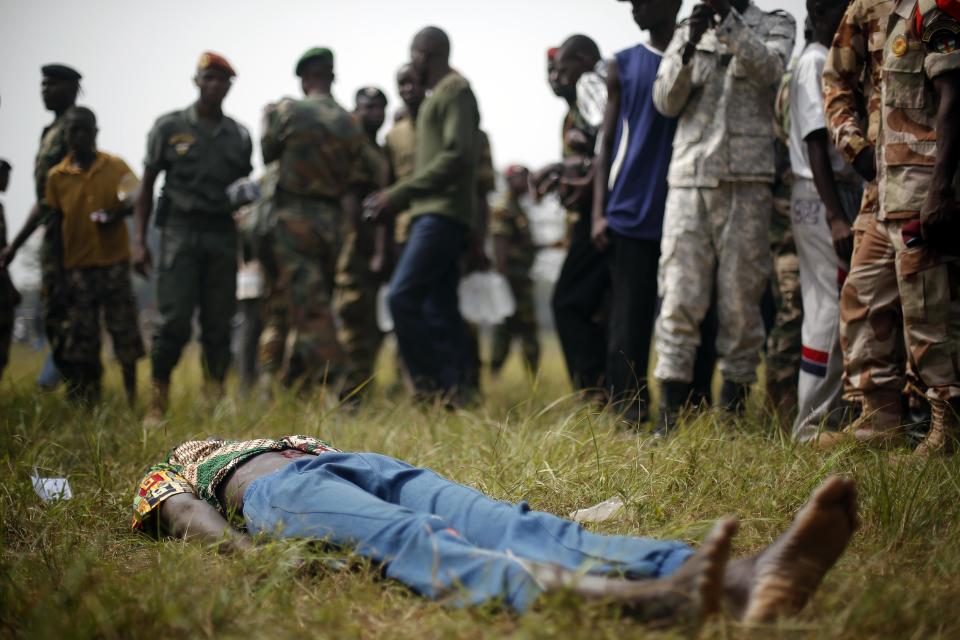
642	150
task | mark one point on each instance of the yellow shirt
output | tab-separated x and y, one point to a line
76	194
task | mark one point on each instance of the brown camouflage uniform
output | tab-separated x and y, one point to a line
355	299
870	315
508	220
783	343
320	151
927	279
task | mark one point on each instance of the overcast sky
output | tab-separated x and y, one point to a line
138	59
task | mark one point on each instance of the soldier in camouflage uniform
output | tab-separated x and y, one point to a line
783	342
871	319
322	168
918	225
514	252
9	297
358	279
61	84
720	81
201	151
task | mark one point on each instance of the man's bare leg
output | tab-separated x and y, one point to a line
691	594
779	580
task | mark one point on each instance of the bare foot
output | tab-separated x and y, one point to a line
781	579
691	594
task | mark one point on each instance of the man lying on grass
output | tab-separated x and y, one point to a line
445	540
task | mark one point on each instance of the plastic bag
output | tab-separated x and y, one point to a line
486	298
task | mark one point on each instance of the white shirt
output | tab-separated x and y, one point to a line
806	112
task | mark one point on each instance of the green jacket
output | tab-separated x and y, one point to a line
447	154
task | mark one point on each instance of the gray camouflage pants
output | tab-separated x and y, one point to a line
713	235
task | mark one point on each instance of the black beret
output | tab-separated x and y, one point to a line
4	165
370	92
60	72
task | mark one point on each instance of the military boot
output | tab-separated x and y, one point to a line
733	397
674	396
944	430
159	402
879	424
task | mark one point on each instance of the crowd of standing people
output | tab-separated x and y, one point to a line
705	172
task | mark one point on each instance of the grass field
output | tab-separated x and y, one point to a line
74	569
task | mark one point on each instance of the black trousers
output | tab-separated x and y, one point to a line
633	309
579	312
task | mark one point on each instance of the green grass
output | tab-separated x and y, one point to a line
74	569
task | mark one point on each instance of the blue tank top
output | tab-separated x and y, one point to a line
643	147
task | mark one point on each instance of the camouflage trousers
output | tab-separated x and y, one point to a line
885	278
521	325
91	291
299	339
355	304
783	342
723	230
52	300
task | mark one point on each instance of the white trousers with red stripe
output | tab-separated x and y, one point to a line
821	277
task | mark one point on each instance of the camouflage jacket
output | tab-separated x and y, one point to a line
319	146
851	77
509	220
53	149
724	97
922	43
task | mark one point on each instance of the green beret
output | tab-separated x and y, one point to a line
317	53
60	72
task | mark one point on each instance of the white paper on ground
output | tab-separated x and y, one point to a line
602	512
52	488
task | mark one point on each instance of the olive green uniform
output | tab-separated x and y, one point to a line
508	220
53	149
320	152
197	264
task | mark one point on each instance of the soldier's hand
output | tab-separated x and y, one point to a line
142	261
720	7
866	164
376	207
700	20
842	236
940	221
598	233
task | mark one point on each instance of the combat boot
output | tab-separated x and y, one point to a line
674	396
944	431
733	397
159	402
879	424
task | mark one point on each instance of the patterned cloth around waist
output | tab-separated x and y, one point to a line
199	466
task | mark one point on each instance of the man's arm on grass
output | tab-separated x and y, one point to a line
188	517
818	149
601	179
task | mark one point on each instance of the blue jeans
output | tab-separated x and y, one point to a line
436	536
423	301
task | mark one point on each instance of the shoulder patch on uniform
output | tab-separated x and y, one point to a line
941	34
